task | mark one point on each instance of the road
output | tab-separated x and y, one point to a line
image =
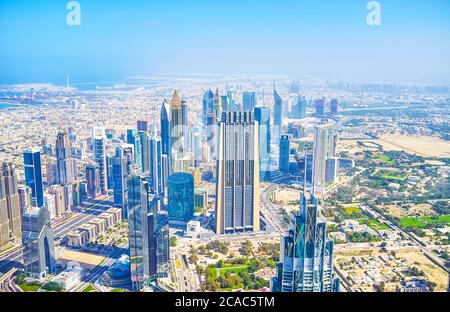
92	209
93	275
271	212
412	238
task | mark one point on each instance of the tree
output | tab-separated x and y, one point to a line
173	241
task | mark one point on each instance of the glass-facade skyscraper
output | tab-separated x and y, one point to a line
207	105
181	196
306	256
10	214
262	116
33	176
100	159
237	186
278	114
138	202
119	178
38	243
285	150
248	101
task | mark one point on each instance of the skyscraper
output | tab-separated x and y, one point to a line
33	176
248	101
138	201
4	219
143	150
237	186
176	125
262	116
306	256
156	169
100	159
217	107
285	150
181	196
93	180
142	125
324	148
278	115
64	170
207	105
299	109
334	106
38	242
10	204
119	177
319	104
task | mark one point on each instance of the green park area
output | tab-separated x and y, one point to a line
390	176
236	274
383	158
355	213
424	222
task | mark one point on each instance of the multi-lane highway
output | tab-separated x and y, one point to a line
89	210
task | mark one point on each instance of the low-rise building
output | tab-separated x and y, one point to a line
91	230
77	238
117	213
109	219
69	277
99	223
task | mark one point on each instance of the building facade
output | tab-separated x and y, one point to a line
237	186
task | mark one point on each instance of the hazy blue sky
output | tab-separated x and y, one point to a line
319	38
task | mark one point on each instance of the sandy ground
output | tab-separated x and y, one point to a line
421	145
416	210
81	257
284	196
405	257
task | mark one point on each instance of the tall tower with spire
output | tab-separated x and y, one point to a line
306	256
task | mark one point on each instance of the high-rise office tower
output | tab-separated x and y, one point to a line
4	219
176	126
119	177
148	234
231	100
138	202
64	163
225	104
93	180
10	204
100	159
306	256
60	203
278	114
331	169
142	147
181	196
142	125
131	133
262	116
164	173
33	176
248	101
165	128
319	104
207	105
324	148
285	151
211	135
334	106
38	242
25	198
217	108
237	186
155	164
299	109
